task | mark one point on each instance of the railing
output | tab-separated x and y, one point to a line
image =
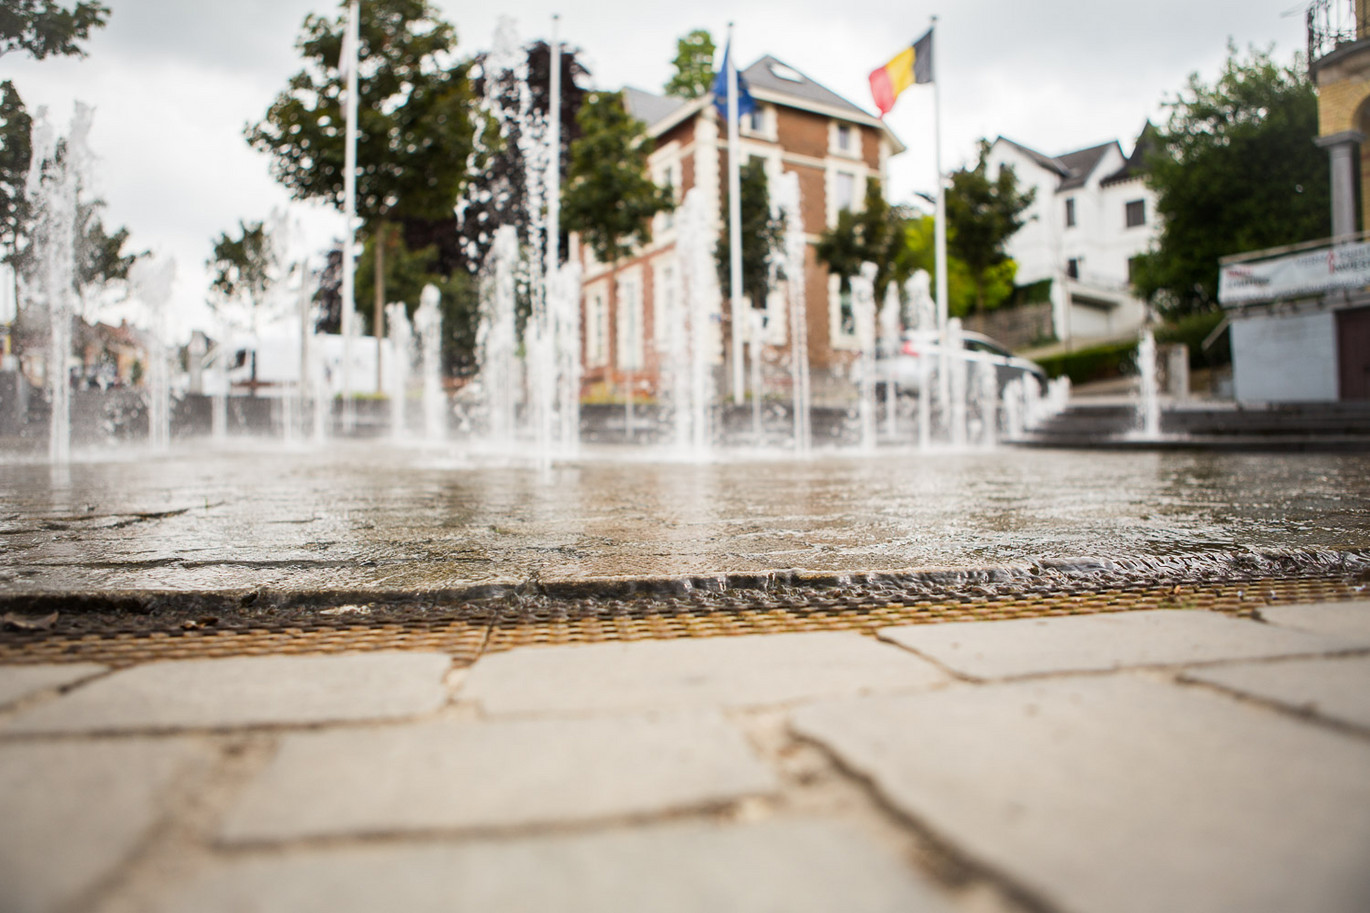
1333	23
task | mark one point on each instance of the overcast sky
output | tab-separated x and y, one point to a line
174	81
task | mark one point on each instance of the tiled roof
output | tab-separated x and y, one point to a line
649	108
1135	166
1073	167
779	78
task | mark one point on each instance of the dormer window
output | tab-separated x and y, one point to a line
780	71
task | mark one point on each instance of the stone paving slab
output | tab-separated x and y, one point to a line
246	691
469	774
796	866
1097	643
72	812
1122	793
1336	688
18	682
1336	619
745	671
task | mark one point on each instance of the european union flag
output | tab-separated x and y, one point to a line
745	103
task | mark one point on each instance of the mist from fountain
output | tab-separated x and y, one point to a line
150	283
788	198
428	324
55	176
1148	395
402	358
863	314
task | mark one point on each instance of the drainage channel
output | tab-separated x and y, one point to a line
467	630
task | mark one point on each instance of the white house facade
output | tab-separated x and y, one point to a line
1091	216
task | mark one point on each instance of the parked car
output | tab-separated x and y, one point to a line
919	354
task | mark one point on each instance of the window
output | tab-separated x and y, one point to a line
1070	212
1132	269
1073	268
630	323
596	329
1136	213
845	191
844	137
756	121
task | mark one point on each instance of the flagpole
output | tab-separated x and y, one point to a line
940	224
350	212
735	219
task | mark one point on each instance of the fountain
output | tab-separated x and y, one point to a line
863	310
787	196
401	345
150	282
1148	398
428	323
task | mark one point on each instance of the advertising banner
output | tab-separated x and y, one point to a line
1344	266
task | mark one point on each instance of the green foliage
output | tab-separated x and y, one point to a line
694	66
962	293
762	232
608	196
41	28
242	267
1095	363
878	234
1192	330
1236	170
982	214
414	134
406	272
16	149
100	256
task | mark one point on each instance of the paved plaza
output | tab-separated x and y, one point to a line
1140	760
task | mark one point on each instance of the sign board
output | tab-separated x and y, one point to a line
1327	269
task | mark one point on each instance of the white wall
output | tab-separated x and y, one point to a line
1285	359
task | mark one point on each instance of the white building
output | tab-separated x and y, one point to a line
1092	215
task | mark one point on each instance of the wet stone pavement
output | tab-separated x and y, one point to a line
1150	686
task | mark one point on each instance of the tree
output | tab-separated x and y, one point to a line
498	193
762	233
41	28
16	148
694	66
609	197
876	234
414	134
982	214
1235	169
244	267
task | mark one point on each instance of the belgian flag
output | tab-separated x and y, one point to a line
911	65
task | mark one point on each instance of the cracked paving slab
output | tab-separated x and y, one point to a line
446	774
246	691
742	671
798	866
1125	793
1105	642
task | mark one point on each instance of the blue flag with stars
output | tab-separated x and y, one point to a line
745	103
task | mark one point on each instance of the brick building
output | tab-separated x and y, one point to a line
799	126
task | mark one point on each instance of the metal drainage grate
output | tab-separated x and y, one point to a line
486	629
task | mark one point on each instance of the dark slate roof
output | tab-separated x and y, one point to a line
1073	167
763	75
649	108
1135	166
1080	164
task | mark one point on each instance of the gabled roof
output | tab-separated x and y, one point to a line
1074	168
774	77
1135	166
769	79
651	109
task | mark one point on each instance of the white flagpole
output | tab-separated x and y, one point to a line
940	224
735	221
350	53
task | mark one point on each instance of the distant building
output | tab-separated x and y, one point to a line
1300	315
799	126
1092	215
